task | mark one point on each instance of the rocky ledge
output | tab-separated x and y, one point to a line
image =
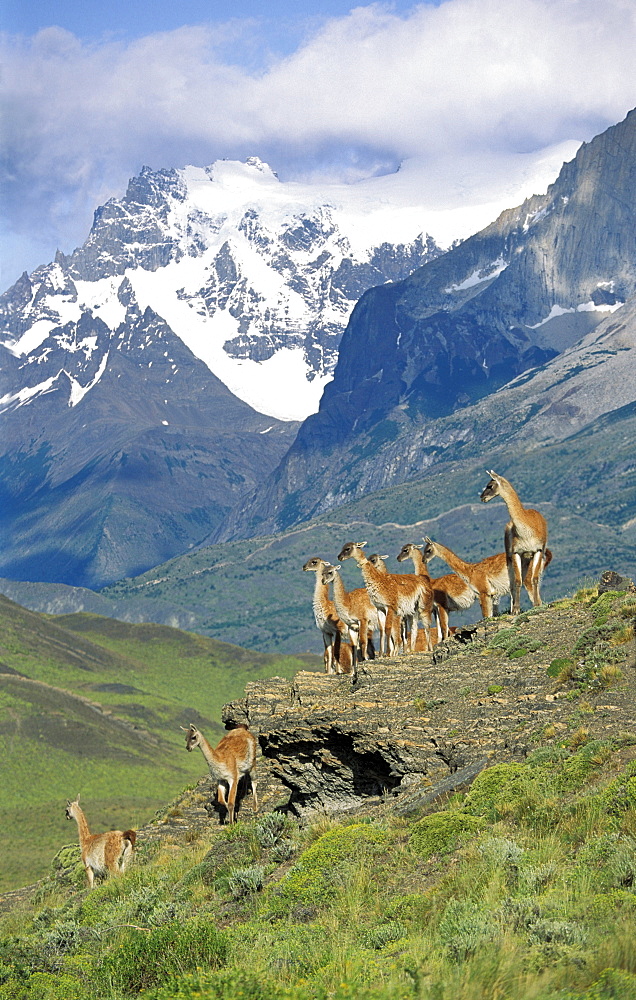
416	726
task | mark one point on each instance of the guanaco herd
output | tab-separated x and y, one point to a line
394	604
390	603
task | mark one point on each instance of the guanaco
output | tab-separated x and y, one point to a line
234	756
525	539
450	592
337	658
489	577
355	609
409	597
101	852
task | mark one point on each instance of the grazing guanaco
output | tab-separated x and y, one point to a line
355	609
488	578
450	592
228	762
409	597
525	539
333	631
101	852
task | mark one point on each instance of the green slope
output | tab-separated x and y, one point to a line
519	886
94	705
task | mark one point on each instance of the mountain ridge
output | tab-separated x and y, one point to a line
418	355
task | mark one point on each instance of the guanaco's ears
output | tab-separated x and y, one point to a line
428	540
361	545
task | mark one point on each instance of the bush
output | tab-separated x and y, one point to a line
502	790
611	860
442	833
620	794
314	876
45	986
385	933
464	928
244	881
500	850
144	959
270	829
560	666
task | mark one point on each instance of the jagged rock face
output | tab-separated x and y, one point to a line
508	299
243	271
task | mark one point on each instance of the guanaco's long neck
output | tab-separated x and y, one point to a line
452	560
339	592
419	563
82	825
511	499
373	578
208	753
323	608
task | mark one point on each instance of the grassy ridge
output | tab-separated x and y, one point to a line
94	705
521	889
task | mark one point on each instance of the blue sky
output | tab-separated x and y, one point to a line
92	91
282	23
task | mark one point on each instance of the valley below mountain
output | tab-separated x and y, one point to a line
90	704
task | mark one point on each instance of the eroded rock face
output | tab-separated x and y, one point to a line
411	724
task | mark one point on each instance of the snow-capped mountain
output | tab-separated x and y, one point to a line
417	354
257	278
136	372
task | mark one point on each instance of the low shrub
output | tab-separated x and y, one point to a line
442	833
314	876
46	986
501	790
465	927
620	794
245	881
144	959
385	933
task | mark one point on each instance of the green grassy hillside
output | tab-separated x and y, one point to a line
94	705
520	887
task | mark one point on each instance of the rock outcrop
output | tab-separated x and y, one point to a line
411	723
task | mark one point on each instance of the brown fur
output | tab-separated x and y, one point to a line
489	578
409	597
337	658
525	539
450	592
101	852
354	608
234	756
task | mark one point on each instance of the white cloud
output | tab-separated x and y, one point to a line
366	91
